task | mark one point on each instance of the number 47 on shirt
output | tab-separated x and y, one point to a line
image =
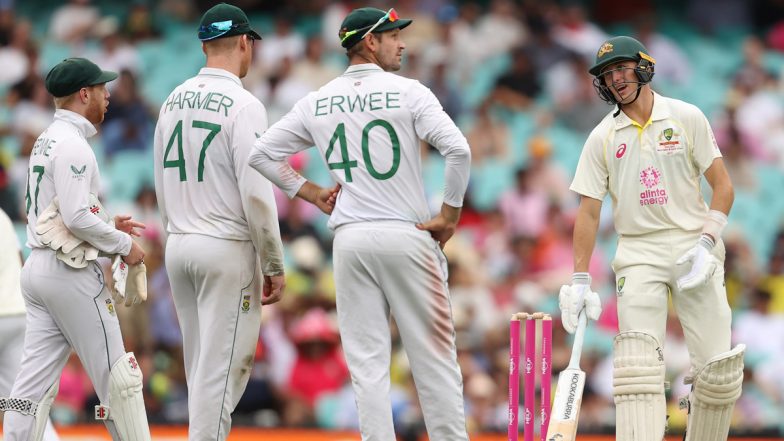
179	162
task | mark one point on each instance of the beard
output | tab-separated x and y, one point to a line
95	112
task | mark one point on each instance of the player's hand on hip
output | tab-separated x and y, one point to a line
443	226
273	289
573	298
703	264
326	199
127	225
135	256
440	229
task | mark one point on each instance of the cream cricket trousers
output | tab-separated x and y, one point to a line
217	294
66	308
645	273
12	330
384	268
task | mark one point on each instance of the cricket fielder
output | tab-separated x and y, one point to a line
650	155
367	124
12	313
68	302
222	223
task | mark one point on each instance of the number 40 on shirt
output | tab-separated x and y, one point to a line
346	163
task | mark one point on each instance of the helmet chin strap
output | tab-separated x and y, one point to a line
636	95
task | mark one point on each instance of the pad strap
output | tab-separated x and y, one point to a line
21	405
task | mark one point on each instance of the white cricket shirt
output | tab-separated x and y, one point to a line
205	131
652	173
367	124
11	301
62	164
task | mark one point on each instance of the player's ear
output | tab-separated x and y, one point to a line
371	42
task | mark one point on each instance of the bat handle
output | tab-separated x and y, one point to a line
579	336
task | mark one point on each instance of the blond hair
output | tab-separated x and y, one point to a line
221	45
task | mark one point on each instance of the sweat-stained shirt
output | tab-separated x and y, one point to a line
367	124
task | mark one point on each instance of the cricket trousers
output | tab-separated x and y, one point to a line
66	308
391	268
217	294
12	328
646	273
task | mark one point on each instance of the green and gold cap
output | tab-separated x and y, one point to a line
72	74
224	20
361	20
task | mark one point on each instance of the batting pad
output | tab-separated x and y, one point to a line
638	387
125	398
716	388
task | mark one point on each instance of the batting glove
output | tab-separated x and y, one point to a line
703	264
572	299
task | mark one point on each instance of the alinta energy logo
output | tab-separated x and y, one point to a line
650	178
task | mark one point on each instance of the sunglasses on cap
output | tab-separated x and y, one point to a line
391	15
218	29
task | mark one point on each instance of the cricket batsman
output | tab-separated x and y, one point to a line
650	155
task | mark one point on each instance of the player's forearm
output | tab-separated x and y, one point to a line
262	217
450	214
585	227
88	227
719	180
85	225
723	197
458	170
309	192
279	173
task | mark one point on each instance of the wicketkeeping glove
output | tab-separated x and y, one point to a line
703	264
129	285
572	299
80	256
52	231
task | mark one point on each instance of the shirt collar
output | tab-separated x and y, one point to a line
85	127
660	111
216	72
362	68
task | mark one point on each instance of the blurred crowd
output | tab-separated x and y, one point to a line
513	75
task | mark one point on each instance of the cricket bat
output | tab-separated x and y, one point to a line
569	392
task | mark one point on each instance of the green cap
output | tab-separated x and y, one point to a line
619	49
224	20
72	74
359	21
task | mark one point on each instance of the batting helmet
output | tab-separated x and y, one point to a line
617	49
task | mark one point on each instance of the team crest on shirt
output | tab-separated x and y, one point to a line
669	142
245	303
620	284
110	306
653	194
